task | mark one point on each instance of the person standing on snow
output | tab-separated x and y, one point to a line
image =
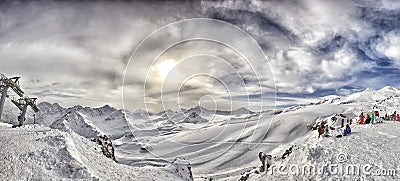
265	161
367	119
321	128
372	117
361	118
326	130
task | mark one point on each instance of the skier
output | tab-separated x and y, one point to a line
361	118
347	131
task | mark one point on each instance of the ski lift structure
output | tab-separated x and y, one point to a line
22	103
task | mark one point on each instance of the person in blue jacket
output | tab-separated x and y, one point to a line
373	117
347	130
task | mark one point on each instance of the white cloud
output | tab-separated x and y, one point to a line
84	47
298	70
343	63
390	46
81	46
305	27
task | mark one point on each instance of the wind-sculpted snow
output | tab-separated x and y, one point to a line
37	152
216	143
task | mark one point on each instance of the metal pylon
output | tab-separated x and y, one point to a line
22	103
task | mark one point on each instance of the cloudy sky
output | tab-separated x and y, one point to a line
84	53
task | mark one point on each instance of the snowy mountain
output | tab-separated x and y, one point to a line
242	111
85	121
217	144
371	95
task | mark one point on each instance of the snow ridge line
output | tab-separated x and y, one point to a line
71	147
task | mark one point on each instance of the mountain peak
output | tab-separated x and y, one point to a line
196	109
106	108
242	110
76	108
47	104
388	88
368	89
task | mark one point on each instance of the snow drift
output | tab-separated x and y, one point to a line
217	144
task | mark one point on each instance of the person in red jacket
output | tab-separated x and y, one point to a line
361	118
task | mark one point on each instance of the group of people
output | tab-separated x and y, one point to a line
374	118
392	117
367	119
341	126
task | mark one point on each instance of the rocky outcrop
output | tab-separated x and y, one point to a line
182	168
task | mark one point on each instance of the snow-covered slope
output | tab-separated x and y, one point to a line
85	121
37	152
371	152
217	144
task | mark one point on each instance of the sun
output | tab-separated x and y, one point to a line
165	67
